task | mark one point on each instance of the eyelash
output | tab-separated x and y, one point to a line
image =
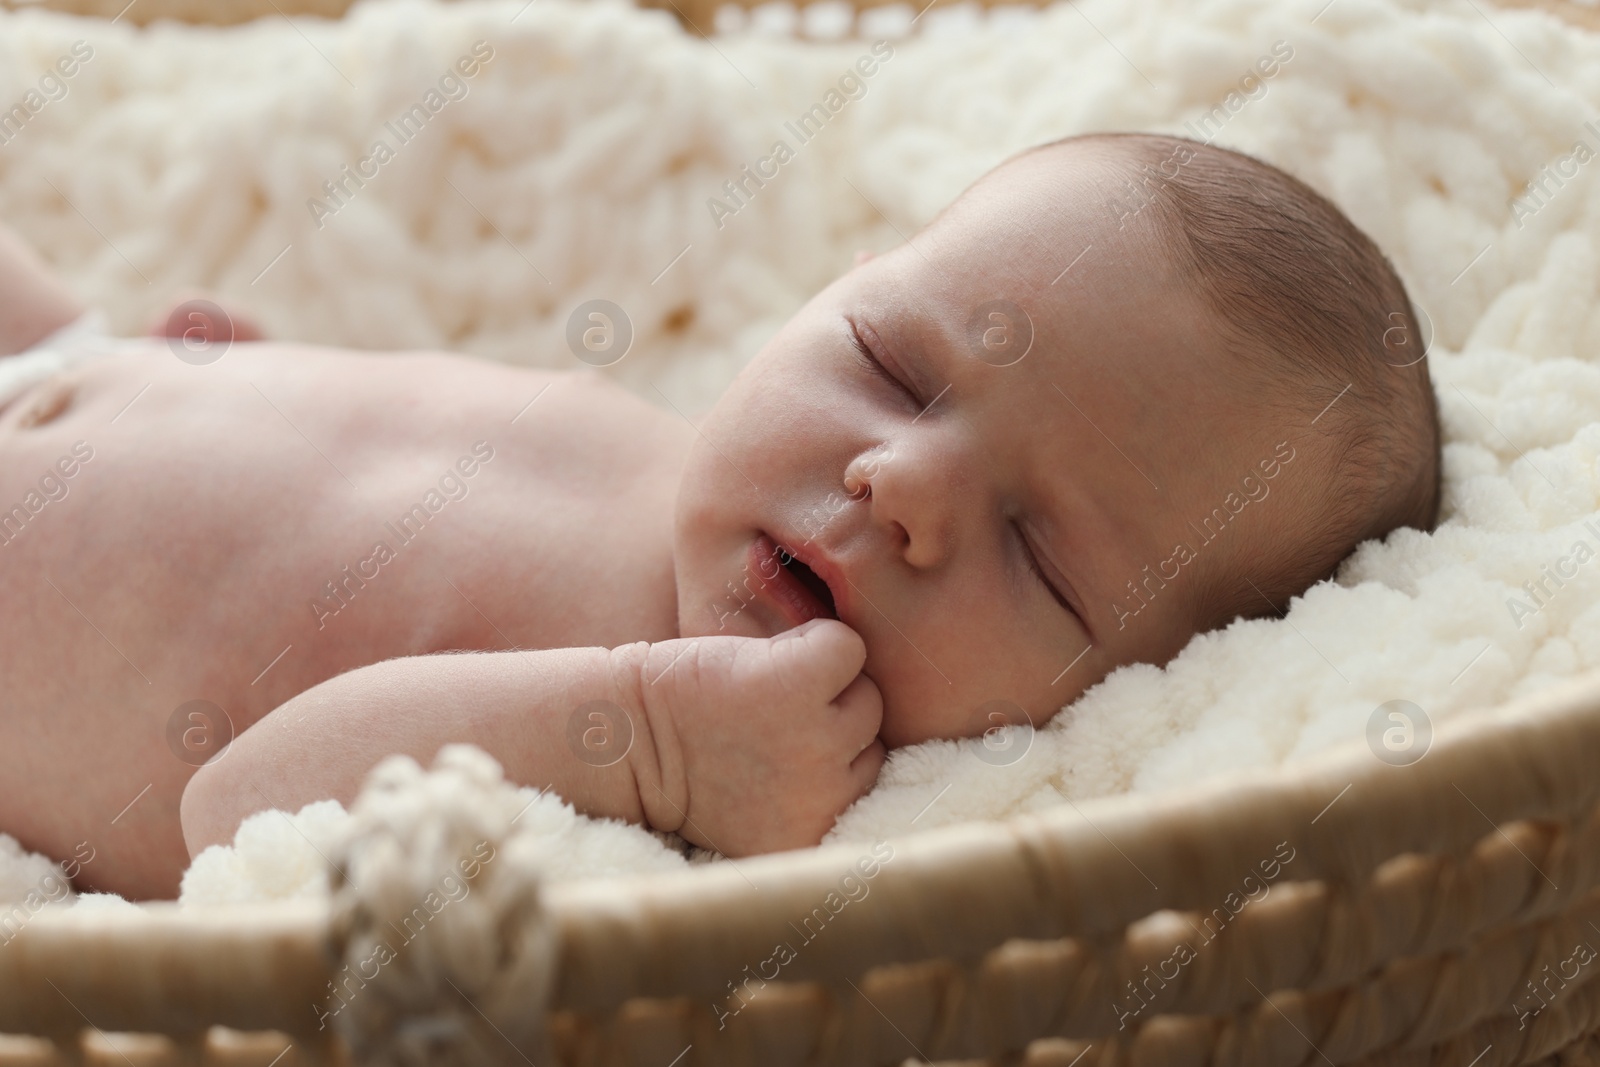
1038	572
867	359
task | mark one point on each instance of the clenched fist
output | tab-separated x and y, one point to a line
754	744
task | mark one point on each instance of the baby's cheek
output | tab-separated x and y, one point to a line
917	710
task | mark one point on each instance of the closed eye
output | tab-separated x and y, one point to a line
867	359
1038	572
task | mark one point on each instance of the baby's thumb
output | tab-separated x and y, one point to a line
822	652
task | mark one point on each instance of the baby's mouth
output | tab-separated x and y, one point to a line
809	579
797	592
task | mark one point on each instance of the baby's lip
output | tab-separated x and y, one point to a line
831	573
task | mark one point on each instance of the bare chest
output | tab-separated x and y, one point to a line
242	531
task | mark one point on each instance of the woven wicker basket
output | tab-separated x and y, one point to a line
1345	912
1348	912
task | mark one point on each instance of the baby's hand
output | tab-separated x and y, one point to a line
758	743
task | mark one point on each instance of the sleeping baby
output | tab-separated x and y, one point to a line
1124	389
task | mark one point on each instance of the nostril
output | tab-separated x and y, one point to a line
902	536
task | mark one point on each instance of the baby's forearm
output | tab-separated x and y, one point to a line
517	706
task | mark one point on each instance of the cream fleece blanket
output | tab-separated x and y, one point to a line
580	160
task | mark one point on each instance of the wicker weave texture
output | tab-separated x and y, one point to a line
1346	912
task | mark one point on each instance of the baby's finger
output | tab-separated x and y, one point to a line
860	715
819	658
865	767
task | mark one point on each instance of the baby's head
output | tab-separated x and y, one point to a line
1177	378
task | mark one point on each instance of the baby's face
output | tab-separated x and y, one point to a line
922	491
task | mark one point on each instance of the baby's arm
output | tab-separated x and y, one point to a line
741	744
513	705
34	301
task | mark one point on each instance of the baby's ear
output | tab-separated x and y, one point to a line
862	256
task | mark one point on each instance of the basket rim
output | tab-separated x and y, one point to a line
1044	876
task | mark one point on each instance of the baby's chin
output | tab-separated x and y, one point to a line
905	723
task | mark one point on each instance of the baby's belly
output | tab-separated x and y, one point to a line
183	541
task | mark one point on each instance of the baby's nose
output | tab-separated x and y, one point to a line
857	487
911	496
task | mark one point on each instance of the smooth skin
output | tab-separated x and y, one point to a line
1122	423
591	558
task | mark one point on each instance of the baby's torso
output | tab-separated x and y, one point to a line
238	532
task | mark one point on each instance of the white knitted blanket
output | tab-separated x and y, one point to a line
578	161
